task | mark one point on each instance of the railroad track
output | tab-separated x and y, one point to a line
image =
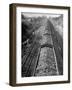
42	57
29	60
47	64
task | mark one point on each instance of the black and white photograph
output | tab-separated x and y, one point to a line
41	44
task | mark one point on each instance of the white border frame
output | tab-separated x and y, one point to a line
63	77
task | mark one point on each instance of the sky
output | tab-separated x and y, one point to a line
40	14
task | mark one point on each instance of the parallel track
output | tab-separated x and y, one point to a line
32	61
